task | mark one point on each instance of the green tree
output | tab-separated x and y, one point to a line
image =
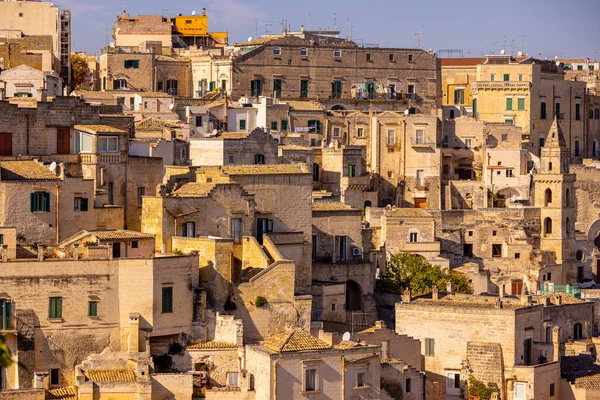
79	71
5	357
406	270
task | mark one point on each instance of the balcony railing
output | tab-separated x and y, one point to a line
500	85
103	158
421	143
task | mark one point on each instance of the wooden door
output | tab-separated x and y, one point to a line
6	144
420	203
63	140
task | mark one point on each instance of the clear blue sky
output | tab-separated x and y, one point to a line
567	28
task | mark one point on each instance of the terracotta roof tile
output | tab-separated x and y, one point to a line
295	147
25	170
98	129
234	135
211	345
574	368
153	94
120	234
331	206
307	105
110	375
62	393
275	169
294	340
194	189
466	301
409	212
588	382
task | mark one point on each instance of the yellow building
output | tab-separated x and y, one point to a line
457	76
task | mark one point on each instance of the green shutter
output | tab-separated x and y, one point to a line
284	125
7	315
84	204
93	309
167	299
32	202
509	103
273	125
46	201
521	103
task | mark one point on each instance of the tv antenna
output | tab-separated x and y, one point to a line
419	36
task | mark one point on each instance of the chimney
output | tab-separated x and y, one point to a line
302	28
134	333
526	299
406	297
450	287
40	250
556	343
204	12
76	251
547	302
502	291
558	299
435	293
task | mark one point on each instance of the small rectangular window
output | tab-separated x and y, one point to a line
552	389
55	308
360	132
310	380
521	103
1	239
506	77
578	112
509	103
304	88
108	144
189	229
276	51
284	125
141	192
351	170
167	299
274	125
413	237
55	377
429	347
391	137
517	256
198	121
520	77
468	250
135	244
81	204
361	379
368	57
407	385
497	250
92	308
492	77
391	57
340	248
410	58
39	202
242	124
236	230
337	52
303	52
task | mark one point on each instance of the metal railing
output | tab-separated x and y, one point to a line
549	288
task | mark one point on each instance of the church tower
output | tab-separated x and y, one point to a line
555	196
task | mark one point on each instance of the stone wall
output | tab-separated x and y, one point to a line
486	362
172	386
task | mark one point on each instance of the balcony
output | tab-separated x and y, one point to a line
421	143
103	158
501	85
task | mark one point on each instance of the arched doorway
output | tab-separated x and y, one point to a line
353	296
367	204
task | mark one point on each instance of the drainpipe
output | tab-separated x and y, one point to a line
27	115
275	379
57	215
343	377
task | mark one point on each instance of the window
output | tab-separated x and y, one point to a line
492	77
277	88
284	125
420	175
55	308
314	126
304	88
274	125
81	204
413	237
259	159
303	52
509	173
505	137
172	87
391	57
108	144
92	308
55	376
577	150
468	250
542	110
5	314
521	103
167	299
39	202
337	52
552	389
368	57
459	96
135	244
315	172
578	112
470	233
132	64
517	256
141	192
410	58
336	90
119	84
315	248
189	229
256	87
198	121
494	233
520	77
360	132
160	86
236	230
391	137
276	51
429	347
242	125
233	379
509	121
340	248
591	114
547	226
361	379
509	103
407	385
468	143
336	131
351	170
420	136
497	250
333	307
506	77
578	331
310	380
558	116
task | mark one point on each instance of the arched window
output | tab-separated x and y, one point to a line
353	296
367	204
567	198
547	226
577	331
548	197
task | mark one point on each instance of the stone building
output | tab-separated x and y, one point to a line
24	81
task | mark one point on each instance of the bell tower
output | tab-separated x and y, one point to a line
555	196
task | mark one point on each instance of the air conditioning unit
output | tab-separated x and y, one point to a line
356	251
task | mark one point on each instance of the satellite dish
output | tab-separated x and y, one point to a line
118	29
171	106
502	52
194	12
249	38
556	57
346	337
331	145
406	112
214	132
52	166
